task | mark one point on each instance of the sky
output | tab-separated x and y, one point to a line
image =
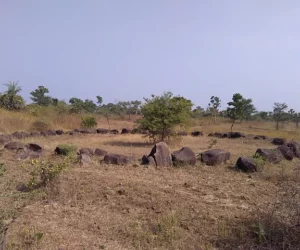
127	50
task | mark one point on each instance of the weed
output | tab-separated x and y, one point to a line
213	142
88	122
2	169
66	150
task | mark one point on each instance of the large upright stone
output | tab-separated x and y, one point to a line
287	152
215	156
161	154
184	156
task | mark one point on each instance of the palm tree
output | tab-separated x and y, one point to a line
13	88
10	99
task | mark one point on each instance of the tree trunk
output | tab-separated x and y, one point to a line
107	119
232	125
277	125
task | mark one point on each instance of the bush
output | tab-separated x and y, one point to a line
88	122
40	125
65	149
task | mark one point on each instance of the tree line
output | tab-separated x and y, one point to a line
166	108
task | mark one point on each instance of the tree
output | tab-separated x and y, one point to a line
160	114
80	106
279	113
197	112
10	98
214	105
294	116
129	108
99	100
39	97
239	108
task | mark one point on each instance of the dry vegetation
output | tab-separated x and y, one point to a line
135	207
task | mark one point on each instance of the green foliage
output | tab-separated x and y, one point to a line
88	122
198	112
239	108
67	150
161	114
39	97
44	172
279	113
99	100
80	106
10	99
129	108
214	105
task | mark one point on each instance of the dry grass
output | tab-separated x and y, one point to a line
133	207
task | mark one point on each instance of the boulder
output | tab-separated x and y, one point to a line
34	147
91	131
114	131
87	151
270	155
35	134
234	135
14	145
182	133
197	133
59	132
73	133
102	131
18	135
246	164
184	156
161	155
28	155
215	156
84	159
287	152
125	131
295	147
49	133
100	152
117	159
279	141
148	160
4	139
260	137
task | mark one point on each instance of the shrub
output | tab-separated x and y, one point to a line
40	125
88	122
65	149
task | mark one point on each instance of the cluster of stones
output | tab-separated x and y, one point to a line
285	150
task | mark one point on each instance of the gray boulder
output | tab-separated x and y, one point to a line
14	145
295	147
87	151
270	155
287	152
117	159
100	152
246	164
214	157
279	141
161	155
184	156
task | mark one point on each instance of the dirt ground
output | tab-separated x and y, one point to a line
98	206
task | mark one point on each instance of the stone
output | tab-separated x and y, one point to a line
14	145
197	133
87	151
59	132
246	164
295	146
125	131
114	131
35	134
287	152
184	156
215	156
161	155
85	159
270	155
4	139
148	160
102	131
279	141
100	152
117	159
182	133
34	147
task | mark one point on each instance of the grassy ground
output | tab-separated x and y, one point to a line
133	207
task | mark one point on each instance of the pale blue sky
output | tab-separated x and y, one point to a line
129	49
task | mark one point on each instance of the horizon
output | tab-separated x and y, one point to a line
129	50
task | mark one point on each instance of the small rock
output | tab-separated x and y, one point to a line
246	164
214	157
